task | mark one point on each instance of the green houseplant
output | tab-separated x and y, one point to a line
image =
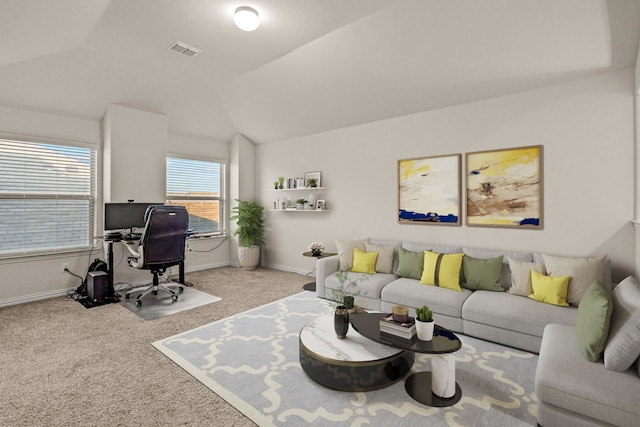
250	232
424	323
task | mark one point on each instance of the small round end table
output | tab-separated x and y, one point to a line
311	286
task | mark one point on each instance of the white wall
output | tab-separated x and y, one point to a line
31	278
586	128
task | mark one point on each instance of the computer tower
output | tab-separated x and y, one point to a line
98	286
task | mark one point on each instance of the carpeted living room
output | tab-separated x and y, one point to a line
478	158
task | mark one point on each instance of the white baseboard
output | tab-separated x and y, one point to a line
64	292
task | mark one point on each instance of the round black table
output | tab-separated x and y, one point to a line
311	286
419	384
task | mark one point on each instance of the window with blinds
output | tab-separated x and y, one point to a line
47	197
199	186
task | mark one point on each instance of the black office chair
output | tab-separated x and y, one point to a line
161	246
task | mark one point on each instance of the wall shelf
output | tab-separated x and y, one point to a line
300	210
301	189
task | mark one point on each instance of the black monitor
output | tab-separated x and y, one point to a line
123	216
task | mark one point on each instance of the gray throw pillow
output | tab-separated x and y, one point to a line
623	346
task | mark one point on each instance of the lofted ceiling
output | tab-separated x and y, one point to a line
311	66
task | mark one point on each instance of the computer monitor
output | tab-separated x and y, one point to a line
123	216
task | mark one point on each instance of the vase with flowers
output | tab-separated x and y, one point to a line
316	248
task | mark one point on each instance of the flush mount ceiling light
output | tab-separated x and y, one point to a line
246	18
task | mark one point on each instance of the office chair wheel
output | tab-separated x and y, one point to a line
155	292
138	303
180	289
127	296
174	297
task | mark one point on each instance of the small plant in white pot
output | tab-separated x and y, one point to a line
424	323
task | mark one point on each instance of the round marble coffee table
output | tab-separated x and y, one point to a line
355	363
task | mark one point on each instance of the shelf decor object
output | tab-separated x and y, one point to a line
312	179
429	190
504	188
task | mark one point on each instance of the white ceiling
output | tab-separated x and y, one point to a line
312	65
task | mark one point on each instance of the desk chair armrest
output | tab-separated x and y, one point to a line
135	257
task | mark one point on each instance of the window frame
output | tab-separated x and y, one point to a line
93	197
222	198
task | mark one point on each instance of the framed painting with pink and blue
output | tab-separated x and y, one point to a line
429	190
504	188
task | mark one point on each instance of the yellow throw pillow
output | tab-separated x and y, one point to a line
364	262
552	290
442	270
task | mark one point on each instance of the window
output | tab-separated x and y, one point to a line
47	197
199	186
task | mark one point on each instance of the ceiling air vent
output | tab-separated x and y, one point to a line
184	49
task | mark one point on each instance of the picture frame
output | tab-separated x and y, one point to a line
320	205
312	175
504	188
429	190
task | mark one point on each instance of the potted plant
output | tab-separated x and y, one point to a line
345	294
275	184
300	204
424	323
250	232
280	182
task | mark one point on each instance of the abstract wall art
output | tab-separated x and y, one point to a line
504	188
429	190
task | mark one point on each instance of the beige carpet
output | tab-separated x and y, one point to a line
65	365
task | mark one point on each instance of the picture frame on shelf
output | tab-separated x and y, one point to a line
317	176
320	205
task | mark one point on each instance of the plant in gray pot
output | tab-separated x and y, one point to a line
250	232
424	323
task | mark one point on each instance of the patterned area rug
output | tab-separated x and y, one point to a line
252	361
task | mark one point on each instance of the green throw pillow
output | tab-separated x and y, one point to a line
592	321
482	274
410	264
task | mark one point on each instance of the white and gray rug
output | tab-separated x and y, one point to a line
252	361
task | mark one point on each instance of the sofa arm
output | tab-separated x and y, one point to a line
325	267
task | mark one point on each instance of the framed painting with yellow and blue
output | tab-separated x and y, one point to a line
429	190
504	188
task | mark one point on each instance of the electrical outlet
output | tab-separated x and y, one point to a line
65	265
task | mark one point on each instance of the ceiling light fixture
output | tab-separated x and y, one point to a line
246	18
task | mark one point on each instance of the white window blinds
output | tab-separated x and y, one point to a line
199	186
47	197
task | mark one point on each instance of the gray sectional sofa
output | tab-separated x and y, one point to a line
500	317
571	390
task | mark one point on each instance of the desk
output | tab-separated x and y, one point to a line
311	286
126	242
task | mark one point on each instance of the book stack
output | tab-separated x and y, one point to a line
405	330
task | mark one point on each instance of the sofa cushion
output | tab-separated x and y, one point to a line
522	315
592	321
442	270
384	262
364	262
583	272
521	276
505	280
623	346
345	251
411	293
410	264
548	289
567	380
482	274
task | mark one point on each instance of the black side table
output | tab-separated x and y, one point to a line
311	286
419	385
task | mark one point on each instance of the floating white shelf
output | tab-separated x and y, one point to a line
301	189
300	210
